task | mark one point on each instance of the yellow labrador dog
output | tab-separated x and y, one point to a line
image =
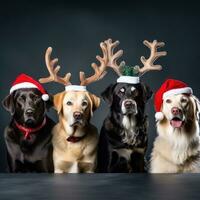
75	139
176	148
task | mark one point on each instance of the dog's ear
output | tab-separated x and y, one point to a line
107	94
147	92
58	101
94	102
196	106
49	103
8	104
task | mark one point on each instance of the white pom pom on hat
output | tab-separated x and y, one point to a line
45	97
159	116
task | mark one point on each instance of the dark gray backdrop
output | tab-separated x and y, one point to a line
75	29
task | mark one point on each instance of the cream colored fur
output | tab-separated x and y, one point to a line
76	157
176	150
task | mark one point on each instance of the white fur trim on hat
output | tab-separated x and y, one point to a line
128	79
159	116
186	90
75	88
45	97
22	86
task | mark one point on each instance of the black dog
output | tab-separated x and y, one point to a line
123	137
28	136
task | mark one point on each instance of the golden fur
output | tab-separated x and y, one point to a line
80	156
176	150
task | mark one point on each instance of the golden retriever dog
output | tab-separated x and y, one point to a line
74	138
177	148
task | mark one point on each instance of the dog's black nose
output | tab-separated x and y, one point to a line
128	104
29	111
77	115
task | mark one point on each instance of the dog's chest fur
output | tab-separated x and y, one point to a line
67	150
179	152
130	131
129	137
34	155
74	157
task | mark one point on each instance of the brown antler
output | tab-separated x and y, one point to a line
53	77
154	55
99	70
112	57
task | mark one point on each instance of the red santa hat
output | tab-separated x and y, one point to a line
25	81
168	88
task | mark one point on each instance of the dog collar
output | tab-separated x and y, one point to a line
28	131
74	139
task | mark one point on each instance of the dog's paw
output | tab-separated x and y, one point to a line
89	172
58	171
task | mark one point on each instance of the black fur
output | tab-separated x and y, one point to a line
112	132
35	153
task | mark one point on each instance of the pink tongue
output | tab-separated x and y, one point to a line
176	123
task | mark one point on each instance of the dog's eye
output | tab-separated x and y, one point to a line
35	98
22	97
122	90
84	103
132	89
134	92
183	100
168	101
69	103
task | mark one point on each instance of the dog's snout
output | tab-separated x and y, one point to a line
176	111
128	104
29	111
77	115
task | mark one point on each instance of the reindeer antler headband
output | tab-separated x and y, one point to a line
99	71
132	74
109	59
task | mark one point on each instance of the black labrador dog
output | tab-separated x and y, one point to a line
28	136
123	137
